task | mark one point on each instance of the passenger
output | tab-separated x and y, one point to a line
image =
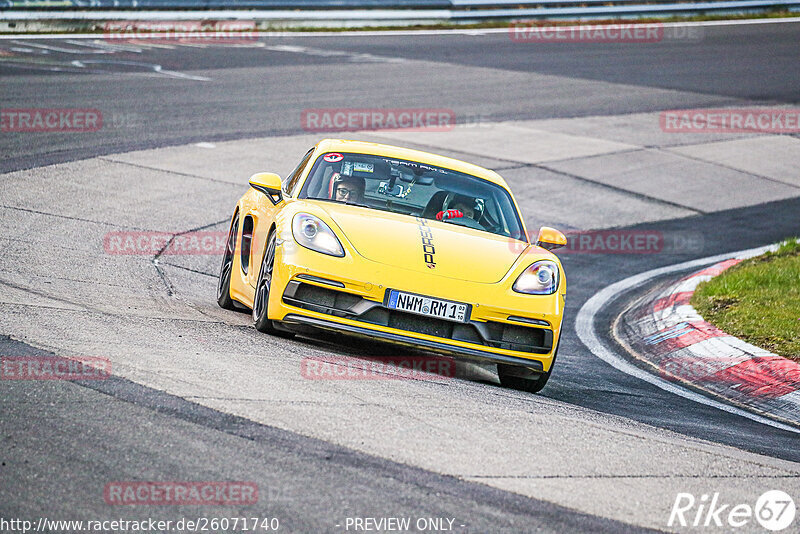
459	206
465	205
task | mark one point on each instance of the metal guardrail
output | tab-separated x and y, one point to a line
637	9
232	4
367	12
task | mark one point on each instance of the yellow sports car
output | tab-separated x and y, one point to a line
399	245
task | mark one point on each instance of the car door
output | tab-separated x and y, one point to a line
258	220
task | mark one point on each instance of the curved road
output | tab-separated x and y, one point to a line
197	395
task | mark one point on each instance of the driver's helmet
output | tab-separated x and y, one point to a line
353	185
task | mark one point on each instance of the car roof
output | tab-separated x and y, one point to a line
377	149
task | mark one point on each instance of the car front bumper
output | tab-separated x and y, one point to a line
512	329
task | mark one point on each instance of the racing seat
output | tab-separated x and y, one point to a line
334	176
434	205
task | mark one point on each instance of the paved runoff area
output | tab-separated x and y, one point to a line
158	322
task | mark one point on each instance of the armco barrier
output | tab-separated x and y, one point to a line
366	12
227	4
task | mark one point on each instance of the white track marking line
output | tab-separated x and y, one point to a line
84	48
352	56
28	50
30	66
584	325
407	33
155	68
107	46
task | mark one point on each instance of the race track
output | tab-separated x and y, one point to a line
198	394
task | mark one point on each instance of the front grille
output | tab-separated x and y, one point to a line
489	333
409	321
422	325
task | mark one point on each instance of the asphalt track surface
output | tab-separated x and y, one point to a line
259	94
128	430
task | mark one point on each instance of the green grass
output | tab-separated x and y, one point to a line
758	300
504	23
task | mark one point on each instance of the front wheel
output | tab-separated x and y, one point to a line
533	383
530	385
261	299
224	283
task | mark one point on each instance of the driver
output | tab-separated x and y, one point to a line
348	189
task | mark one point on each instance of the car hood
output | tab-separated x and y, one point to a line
425	245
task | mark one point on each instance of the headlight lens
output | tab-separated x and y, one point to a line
310	232
541	278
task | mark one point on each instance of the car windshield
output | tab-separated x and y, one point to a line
414	189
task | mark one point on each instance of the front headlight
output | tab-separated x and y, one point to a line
541	278
311	232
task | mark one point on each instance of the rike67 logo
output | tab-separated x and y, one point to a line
774	510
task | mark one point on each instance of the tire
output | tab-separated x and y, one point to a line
529	385
224	283
261	298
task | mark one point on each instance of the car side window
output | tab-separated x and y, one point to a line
290	181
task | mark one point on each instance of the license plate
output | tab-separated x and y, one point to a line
443	309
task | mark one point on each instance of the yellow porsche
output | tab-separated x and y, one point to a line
399	245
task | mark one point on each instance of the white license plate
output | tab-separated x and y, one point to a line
443	309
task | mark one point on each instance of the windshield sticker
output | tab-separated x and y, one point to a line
333	157
363	167
415	166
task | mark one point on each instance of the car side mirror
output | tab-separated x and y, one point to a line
268	183
550	238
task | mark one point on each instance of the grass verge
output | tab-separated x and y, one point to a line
504	23
758	300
